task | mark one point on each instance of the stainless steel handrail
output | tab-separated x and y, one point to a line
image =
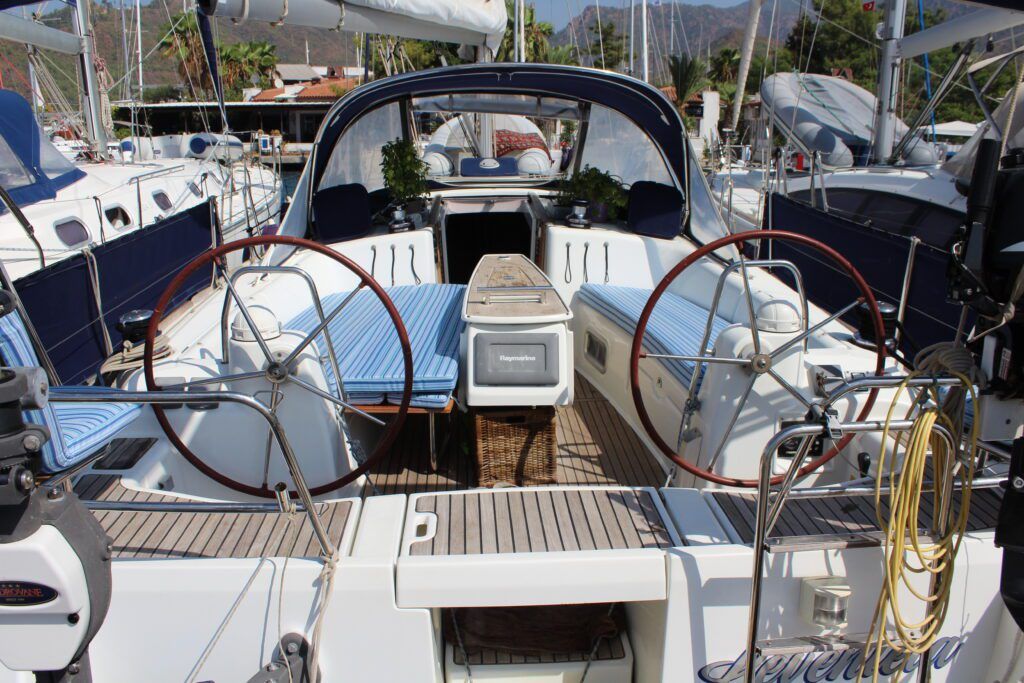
888	382
766	516
70	395
716	299
908	274
148	175
184	506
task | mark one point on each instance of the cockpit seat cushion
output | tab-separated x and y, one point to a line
676	326
369	354
654	209
341	212
76	429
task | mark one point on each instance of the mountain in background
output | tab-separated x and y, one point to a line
693	29
699	29
325	47
675	27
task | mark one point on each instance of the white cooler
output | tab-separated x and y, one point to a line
516	349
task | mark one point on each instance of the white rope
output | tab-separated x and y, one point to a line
327	575
224	624
93	269
280	607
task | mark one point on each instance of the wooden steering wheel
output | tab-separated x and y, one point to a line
278	371
760	362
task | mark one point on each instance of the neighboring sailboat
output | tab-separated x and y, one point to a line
87	239
876	191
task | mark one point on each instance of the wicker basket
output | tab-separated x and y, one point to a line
516	446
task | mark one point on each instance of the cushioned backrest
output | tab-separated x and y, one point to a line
341	213
16	351
655	210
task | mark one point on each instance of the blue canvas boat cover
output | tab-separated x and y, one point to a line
31	168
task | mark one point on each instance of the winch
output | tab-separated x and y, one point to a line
55	580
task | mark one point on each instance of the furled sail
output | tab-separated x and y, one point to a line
470	22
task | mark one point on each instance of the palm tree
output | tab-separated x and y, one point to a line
688	76
250	63
182	43
535	32
725	64
562	54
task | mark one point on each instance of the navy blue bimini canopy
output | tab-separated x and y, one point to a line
31	168
644	104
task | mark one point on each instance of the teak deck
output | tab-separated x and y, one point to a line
161	535
541	520
595	447
851	515
607	648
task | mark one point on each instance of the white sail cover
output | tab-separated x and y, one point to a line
962	164
466	22
832	116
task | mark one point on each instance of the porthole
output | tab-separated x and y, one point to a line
162	200
194	189
118	217
71	232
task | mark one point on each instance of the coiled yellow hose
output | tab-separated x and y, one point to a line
906	553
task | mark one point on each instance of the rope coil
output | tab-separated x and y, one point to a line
907	553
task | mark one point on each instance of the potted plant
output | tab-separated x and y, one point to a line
602	191
405	178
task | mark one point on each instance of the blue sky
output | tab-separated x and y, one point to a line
559	11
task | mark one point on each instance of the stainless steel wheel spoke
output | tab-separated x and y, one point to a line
698	359
245	314
811	330
790	388
275	400
333	399
750	302
321	327
732	423
222	379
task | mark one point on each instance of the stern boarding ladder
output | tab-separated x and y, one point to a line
553	545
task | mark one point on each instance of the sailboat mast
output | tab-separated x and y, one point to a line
138	34
632	29
90	84
746	53
515	32
644	62
888	79
521	37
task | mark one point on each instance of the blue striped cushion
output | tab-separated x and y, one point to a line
676	325
76	429
367	348
87	426
429	401
17	351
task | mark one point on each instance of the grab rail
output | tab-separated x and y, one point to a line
148	175
767	516
716	299
71	395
